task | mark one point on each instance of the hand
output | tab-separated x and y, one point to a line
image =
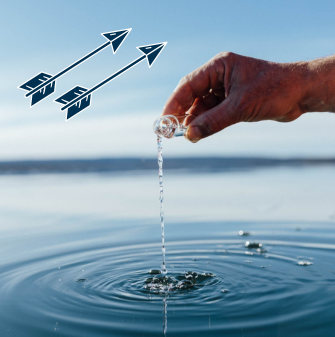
231	88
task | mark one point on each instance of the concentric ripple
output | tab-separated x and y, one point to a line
212	286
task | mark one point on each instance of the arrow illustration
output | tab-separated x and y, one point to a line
79	98
43	85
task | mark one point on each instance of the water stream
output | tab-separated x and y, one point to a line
161	196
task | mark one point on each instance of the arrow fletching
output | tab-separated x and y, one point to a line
43	92
77	106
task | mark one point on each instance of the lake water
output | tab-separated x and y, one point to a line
76	251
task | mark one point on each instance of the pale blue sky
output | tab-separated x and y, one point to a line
49	35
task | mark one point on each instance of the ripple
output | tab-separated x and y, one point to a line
118	289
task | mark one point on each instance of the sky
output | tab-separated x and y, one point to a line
48	36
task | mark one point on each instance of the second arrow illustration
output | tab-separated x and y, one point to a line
79	98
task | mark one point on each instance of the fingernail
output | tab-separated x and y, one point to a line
193	134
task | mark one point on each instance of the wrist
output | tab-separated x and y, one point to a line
318	93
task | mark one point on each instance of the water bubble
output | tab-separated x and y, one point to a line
208	274
251	245
305	263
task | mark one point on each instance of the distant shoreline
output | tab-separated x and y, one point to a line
207	164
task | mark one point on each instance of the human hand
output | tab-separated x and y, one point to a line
231	88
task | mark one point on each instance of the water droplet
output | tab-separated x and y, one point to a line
224	290
155	272
248	261
243	233
81	280
208	274
305	263
184	284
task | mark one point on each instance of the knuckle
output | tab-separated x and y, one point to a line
218	58
183	80
227	55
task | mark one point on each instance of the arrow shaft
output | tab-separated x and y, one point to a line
127	67
51	79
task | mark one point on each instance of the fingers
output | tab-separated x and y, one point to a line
211	121
201	105
195	85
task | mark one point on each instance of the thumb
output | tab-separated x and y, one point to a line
212	121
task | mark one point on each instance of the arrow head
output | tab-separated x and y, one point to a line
116	38
152	51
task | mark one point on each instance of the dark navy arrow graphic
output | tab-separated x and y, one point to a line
79	98
43	85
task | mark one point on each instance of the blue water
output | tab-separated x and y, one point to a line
76	254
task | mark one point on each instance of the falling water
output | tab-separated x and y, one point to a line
160	174
164	317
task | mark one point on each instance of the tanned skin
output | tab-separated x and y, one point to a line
232	88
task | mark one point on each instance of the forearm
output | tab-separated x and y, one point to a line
319	87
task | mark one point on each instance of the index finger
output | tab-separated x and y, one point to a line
194	85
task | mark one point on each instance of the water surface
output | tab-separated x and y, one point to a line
78	264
